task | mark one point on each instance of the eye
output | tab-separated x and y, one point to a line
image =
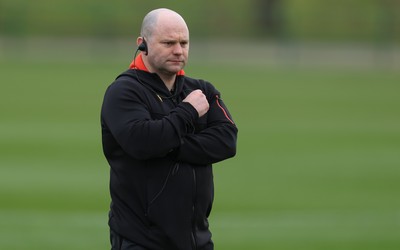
168	43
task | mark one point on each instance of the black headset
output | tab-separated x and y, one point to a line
143	47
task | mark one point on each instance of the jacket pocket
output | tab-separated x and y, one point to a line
170	196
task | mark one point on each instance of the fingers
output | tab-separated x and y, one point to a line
199	101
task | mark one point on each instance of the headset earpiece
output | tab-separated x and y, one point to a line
143	47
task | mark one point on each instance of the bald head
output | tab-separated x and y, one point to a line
159	18
166	37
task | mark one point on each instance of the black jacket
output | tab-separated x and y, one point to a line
160	153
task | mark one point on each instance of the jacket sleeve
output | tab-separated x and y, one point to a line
128	119
214	143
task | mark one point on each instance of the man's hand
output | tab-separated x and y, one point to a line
199	101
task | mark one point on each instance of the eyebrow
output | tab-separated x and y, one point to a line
175	40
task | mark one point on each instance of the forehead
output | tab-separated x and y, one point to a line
171	28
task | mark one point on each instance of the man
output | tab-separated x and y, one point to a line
161	131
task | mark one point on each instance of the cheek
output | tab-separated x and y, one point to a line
155	56
158	55
185	52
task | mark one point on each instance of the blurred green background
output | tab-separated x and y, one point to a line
313	87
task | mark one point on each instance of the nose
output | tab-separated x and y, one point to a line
178	49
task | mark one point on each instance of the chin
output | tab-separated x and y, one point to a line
175	69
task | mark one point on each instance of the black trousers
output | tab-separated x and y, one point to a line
120	243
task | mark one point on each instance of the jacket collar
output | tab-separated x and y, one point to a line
138	63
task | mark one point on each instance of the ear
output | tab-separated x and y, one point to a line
139	40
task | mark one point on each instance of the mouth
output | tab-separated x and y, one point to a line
175	61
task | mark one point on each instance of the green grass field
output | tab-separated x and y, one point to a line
318	162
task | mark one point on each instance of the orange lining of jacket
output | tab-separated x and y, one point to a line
138	63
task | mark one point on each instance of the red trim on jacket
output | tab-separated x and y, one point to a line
223	110
138	63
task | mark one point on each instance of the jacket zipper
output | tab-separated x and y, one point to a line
193	233
194	240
